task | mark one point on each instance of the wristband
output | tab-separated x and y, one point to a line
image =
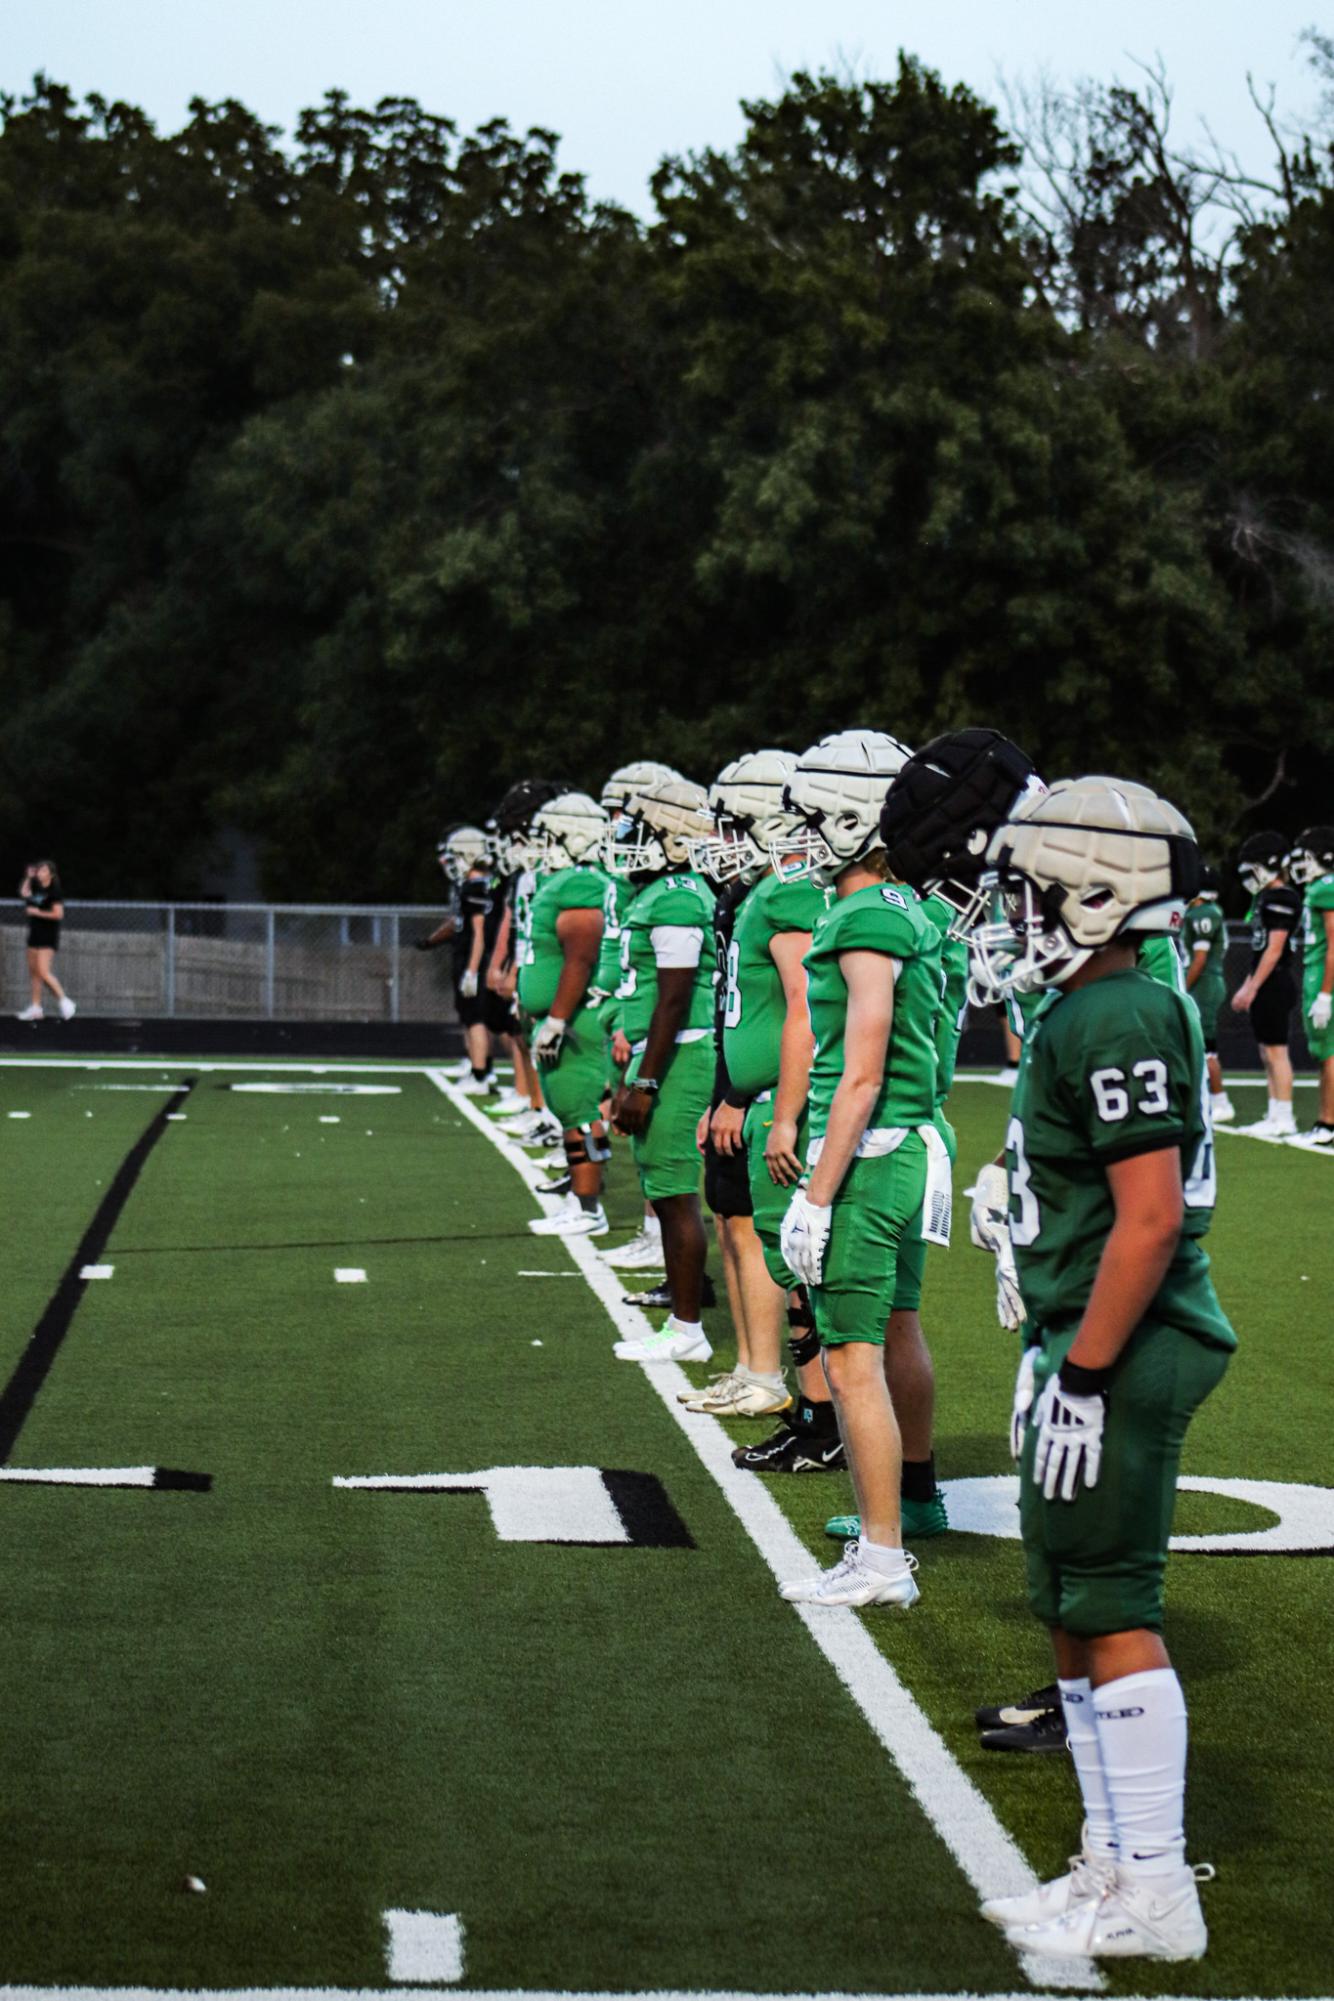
648	1085
1083	1382
738	1100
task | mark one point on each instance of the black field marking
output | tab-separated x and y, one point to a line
643	1505
168	1479
318	1244
34	1364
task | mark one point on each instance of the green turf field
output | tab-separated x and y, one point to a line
622	1765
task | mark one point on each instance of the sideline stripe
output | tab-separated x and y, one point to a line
34	1364
520	1994
984	1850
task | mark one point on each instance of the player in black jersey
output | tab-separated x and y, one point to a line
470	929
1269	991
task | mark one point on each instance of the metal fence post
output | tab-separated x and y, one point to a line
269	954
393	967
169	962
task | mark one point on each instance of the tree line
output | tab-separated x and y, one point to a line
347	476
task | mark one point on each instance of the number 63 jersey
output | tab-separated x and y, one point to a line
1111	1070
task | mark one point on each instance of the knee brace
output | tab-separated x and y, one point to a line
576	1152
803	1343
597	1143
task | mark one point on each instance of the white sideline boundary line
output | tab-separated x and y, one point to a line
984	1850
522	1994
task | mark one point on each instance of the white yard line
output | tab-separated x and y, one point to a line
510	1994
983	1849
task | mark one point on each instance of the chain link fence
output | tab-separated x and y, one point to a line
239	961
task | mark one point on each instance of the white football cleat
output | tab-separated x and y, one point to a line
509	1101
1320	1137
642	1253
1154	1918
478	1087
740	1396
713	1387
1222	1110
1090	1877
68	1008
572	1220
673	1344
33	1013
852	1582
1267	1128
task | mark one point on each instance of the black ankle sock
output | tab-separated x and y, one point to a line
478	1075
817	1418
589	1202
919	1479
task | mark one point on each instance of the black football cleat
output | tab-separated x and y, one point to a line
792	1449
658	1295
1001	1716
1044	1733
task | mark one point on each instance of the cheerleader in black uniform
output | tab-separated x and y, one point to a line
40	890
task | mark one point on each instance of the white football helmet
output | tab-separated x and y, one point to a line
749	817
566	833
654	831
626	780
833	800
1092	860
1312	856
463	848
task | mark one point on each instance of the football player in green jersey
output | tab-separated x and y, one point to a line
513	819
937	820
1161	959
666	997
766	1047
1311	867
562	939
644	1250
1204	942
1111	1172
876	1160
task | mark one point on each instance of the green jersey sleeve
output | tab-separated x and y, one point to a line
578	889
1126	1073
792	906
885	920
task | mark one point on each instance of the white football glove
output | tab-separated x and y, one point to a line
803	1237
1320	1009
1069	1446
1024	1391
549	1039
468	985
989	1227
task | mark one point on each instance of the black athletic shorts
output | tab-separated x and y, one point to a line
727	1182
1271	1010
487	1007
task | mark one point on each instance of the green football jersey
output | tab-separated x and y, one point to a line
954	1012
1111	1070
567	889
1319	899
884	917
1205	925
754	1008
617	898
683	899
1160	958
525	889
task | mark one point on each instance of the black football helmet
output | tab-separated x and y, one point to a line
1312	855
1260	858
944	806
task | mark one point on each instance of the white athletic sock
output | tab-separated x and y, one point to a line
881	1556
1082	1731
675	1326
766	1381
1141	1722
1280	1110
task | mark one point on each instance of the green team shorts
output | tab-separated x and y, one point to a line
1096	1564
666	1157
877	1220
1207	995
768	1201
572	1086
1320	1041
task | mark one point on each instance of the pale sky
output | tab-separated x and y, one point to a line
624	82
